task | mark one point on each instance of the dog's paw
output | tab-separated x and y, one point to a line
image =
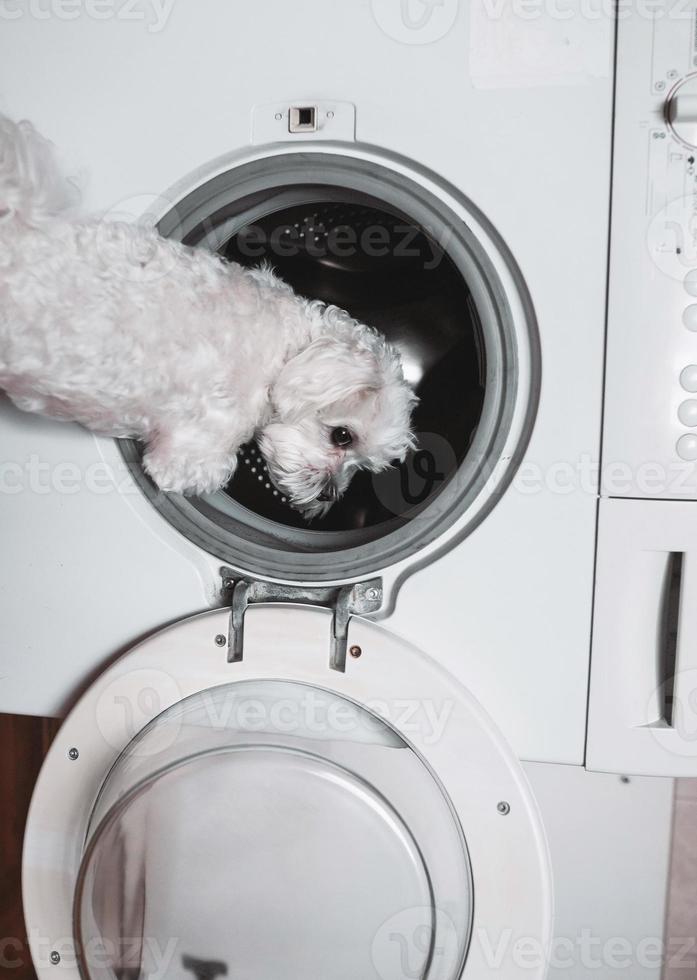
192	477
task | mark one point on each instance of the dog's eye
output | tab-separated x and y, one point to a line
341	437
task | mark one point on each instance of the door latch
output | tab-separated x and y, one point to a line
345	601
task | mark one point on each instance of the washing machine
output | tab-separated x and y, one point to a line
294	748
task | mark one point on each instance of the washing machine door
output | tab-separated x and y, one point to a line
272	817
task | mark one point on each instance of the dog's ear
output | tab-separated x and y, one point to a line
328	370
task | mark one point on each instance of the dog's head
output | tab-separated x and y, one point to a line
340	405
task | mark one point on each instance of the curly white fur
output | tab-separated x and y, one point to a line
130	334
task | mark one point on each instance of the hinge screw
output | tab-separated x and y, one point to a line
220	640
373	594
55	957
73	754
355	652
504	808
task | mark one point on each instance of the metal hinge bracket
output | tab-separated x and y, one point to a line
345	601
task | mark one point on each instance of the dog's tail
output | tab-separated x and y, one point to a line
32	185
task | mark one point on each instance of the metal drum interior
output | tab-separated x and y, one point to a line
347	250
271	828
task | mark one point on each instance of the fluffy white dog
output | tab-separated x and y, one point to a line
130	334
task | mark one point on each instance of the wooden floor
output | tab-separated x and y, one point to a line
24	742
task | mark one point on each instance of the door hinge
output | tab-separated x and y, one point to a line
345	601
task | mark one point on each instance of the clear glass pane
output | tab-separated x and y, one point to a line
265	830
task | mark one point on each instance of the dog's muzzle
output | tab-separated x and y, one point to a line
329	492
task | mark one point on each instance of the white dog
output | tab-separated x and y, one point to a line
130	334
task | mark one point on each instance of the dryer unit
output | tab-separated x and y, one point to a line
295	776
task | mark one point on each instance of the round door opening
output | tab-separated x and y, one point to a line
271	828
402	260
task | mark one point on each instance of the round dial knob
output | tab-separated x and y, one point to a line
681	111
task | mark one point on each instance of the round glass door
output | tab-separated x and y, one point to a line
268	829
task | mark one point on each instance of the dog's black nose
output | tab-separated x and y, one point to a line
329	492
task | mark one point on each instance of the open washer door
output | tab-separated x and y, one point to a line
274	818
